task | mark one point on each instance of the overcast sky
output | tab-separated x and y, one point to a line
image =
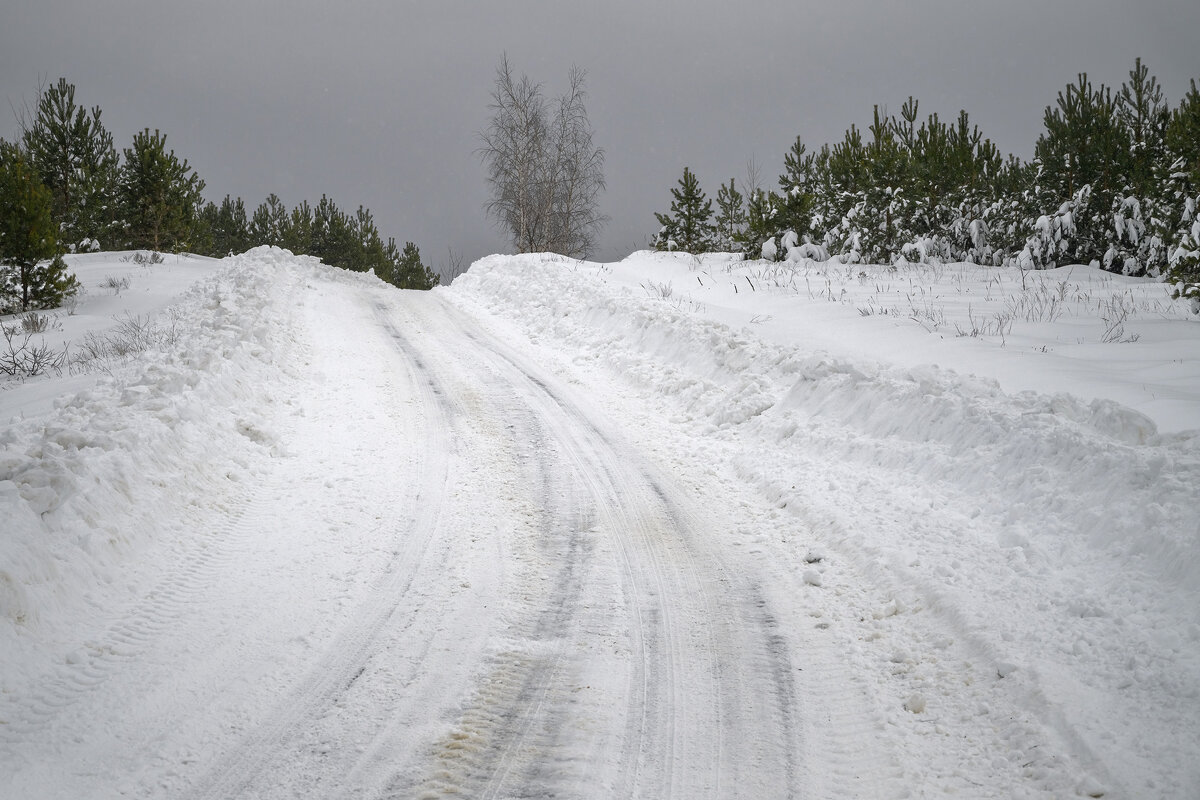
380	103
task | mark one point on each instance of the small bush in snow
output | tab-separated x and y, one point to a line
19	356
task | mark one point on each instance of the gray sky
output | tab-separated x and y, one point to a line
380	103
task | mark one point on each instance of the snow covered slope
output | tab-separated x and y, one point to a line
663	528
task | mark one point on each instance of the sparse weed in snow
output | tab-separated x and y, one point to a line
116	284
1040	304
131	336
33	322
144	257
1114	313
662	291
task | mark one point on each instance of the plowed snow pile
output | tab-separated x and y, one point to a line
1050	537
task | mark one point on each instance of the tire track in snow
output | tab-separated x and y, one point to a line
709	694
513	710
53	703
767	658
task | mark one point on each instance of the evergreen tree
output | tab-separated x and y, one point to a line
1144	114
795	200
877	229
75	158
298	236
1181	141
731	217
333	239
1084	145
224	228
160	193
689	224
52	284
26	228
409	272
761	222
1182	145
269	223
1140	210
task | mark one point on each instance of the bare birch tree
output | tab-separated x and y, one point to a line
545	172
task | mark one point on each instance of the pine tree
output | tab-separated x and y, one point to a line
52	284
409	272
75	158
880	225
1143	112
225	228
795	206
160	193
761	222
1182	145
1181	140
298	235
26	225
269	223
731	217
689	224
1084	145
333	238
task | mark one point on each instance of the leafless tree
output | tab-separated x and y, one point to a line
545	172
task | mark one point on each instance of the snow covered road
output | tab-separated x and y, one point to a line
447	575
500	541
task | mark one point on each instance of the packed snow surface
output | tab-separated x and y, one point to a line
673	527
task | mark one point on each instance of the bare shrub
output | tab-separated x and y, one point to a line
19	356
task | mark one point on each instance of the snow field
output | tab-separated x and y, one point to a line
1047	541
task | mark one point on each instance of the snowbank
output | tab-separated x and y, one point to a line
1057	537
186	419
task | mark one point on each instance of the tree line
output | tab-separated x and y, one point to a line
64	188
1115	181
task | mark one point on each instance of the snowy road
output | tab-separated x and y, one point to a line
451	576
537	536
